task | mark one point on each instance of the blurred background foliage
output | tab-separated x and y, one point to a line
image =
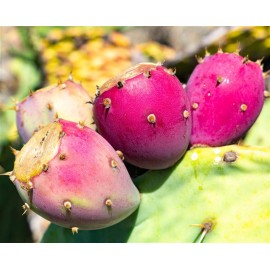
33	57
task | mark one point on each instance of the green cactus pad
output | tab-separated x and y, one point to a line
226	187
258	134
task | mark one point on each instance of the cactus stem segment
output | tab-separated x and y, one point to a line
120	154
25	207
243	107
74	230
68	205
107	103
151	118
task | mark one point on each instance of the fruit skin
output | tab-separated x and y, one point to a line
226	92
228	186
145	113
71	176
67	100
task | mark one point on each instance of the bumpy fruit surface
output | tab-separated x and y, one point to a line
66	100
71	176
226	92
145	113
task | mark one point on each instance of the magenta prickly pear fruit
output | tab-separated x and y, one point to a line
70	175
226	93
145	113
67	100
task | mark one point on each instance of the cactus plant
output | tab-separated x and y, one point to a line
144	113
258	134
213	195
70	175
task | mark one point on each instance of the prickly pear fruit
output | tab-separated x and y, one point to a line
66	100
215	195
145	114
71	176
226	92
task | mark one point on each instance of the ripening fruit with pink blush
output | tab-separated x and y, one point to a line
226	93
67	100
145	113
70	175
